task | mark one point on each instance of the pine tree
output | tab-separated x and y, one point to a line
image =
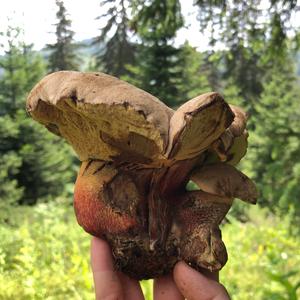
275	142
34	164
13	80
116	52
63	52
158	60
10	161
194	77
255	36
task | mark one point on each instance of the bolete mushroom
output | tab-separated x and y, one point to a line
137	157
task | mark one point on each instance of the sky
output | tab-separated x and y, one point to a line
37	17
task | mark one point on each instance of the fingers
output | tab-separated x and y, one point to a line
166	289
196	286
187	282
106	280
131	288
110	284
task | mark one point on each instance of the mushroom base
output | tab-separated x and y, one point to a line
150	227
133	256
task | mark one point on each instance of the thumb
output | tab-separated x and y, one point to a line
195	286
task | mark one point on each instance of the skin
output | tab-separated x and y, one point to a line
184	283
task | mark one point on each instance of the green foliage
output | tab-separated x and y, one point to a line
159	63
284	280
34	163
157	20
160	82
118	49
263	257
255	36
194	77
274	143
21	69
46	240
147	287
10	164
63	52
44	254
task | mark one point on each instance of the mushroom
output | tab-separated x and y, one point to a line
225	180
231	146
137	156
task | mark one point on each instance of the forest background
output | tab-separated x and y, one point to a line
252	59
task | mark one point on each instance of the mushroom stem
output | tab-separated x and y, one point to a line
159	212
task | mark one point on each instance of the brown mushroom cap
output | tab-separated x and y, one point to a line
225	180
101	116
196	124
105	118
238	125
231	146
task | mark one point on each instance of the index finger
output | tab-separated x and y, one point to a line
106	281
196	286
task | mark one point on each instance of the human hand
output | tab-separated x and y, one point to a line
184	283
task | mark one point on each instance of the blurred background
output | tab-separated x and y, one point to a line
246	50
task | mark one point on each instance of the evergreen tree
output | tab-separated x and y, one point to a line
159	61
117	51
10	161
275	142
13	80
255	35
63	52
194	76
34	164
212	64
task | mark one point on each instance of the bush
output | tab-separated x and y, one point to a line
44	254
264	258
